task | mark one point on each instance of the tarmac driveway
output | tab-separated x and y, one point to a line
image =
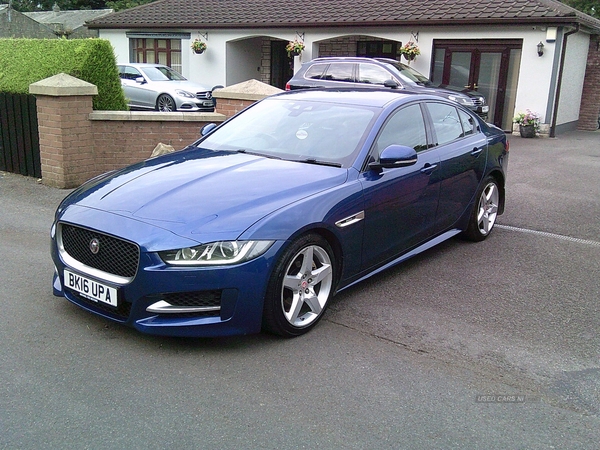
523	306
488	345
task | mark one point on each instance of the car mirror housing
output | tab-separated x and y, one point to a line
395	156
140	80
207	129
391	84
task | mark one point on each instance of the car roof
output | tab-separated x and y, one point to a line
141	65
374	97
351	59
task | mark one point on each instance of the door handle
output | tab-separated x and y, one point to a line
476	151
428	168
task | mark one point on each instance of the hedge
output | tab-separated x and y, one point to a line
25	61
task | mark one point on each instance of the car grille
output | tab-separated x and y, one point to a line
478	101
204	95
115	256
199	298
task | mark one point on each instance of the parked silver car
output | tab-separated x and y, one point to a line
154	86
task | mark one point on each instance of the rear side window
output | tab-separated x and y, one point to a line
340	72
315	72
468	123
372	74
446	123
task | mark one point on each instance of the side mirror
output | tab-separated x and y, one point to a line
393	84
207	129
140	80
395	156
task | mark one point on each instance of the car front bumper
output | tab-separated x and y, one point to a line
224	300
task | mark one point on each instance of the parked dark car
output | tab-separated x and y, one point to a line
261	221
382	72
158	87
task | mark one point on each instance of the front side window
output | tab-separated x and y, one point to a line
405	127
372	74
129	73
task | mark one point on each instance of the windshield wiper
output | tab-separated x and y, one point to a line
246	152
320	163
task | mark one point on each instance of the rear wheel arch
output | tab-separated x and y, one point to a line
500	181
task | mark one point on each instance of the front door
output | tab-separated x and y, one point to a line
282	66
489	67
400	203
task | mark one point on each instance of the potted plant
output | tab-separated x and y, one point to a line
294	48
529	123
198	46
410	51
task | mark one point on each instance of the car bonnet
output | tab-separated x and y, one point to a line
202	196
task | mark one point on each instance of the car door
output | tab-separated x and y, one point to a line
139	95
400	203
462	149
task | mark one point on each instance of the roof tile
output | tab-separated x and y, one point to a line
267	13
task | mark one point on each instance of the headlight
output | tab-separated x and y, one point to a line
216	253
461	99
185	93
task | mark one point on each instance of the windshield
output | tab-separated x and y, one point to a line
407	73
162	74
307	131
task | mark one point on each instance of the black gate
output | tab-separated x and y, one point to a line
19	139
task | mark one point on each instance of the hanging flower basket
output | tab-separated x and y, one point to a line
294	48
198	46
410	51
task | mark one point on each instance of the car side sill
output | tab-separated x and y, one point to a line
426	246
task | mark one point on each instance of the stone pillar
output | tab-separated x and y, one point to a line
64	104
233	99
590	98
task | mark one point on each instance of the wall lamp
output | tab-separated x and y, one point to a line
540	49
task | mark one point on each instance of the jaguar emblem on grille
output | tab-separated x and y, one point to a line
95	246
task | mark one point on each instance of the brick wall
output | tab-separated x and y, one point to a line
345	46
77	144
119	143
230	106
590	101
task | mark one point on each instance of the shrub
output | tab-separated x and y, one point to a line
25	61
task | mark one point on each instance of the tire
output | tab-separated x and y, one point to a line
165	103
485	211
301	285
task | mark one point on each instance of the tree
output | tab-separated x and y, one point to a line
64	5
119	5
591	7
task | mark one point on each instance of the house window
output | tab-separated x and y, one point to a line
378	49
157	51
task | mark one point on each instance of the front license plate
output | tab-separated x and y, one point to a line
207	103
91	289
